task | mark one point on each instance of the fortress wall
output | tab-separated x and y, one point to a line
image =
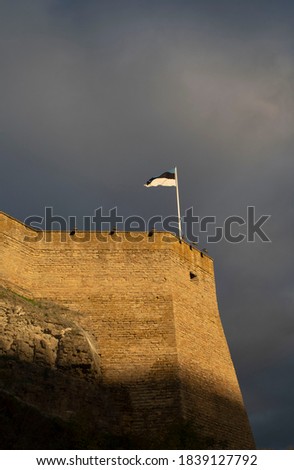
157	331
121	297
209	386
16	257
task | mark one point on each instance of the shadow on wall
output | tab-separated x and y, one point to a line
53	394
91	416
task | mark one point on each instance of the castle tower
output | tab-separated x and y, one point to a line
149	303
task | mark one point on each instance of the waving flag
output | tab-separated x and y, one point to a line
168	178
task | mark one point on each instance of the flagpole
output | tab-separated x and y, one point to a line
178	203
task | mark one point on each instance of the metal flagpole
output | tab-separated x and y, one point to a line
178	203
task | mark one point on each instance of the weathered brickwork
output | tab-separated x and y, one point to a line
151	306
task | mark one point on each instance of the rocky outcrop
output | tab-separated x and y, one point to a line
47	335
50	380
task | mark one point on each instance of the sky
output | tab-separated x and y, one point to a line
99	96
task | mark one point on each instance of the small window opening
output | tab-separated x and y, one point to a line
192	275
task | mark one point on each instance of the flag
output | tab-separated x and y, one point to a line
168	178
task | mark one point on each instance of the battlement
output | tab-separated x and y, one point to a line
157	239
149	300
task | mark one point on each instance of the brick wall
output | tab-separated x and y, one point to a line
158	332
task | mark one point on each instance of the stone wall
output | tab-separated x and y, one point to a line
150	304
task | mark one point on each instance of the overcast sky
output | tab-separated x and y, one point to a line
99	96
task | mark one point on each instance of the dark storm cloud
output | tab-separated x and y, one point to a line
97	97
